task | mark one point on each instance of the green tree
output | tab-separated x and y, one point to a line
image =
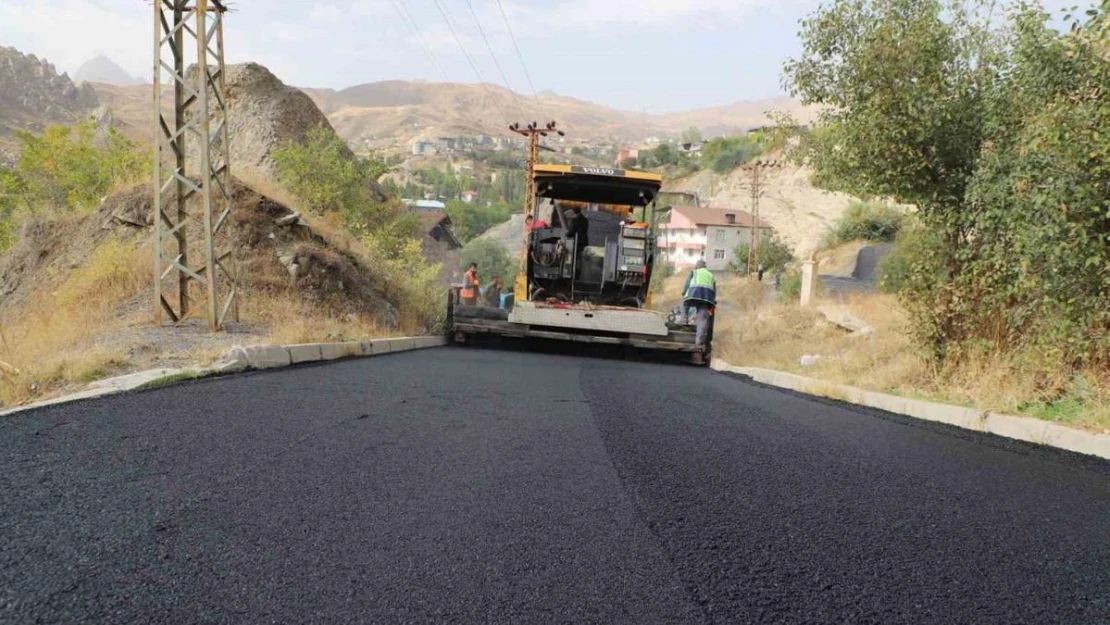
997	135
492	260
471	220
773	253
665	155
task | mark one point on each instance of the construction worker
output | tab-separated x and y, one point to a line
469	293
578	229
531	224
493	292
700	294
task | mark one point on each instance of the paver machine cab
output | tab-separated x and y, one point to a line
588	288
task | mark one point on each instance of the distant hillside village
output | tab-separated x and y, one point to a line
450	181
463	144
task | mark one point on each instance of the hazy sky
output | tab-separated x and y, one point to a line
658	55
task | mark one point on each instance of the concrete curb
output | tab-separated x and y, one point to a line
1019	428
239	359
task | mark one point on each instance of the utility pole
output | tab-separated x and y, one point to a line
532	132
756	183
192	191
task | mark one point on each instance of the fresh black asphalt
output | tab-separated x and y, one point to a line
475	486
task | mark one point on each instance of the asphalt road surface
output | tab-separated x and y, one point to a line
865	275
475	486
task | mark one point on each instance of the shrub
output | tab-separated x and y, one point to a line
725	154
790	287
773	253
323	172
866	221
411	282
897	268
63	167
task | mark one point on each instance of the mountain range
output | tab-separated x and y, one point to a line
407	109
389	114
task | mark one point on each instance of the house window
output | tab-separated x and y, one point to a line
719	254
720	236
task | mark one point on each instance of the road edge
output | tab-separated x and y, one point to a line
1025	429
238	359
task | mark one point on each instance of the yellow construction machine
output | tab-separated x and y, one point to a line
592	288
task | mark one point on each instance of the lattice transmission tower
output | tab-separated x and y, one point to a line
193	248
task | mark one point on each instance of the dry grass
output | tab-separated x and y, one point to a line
293	321
56	338
776	336
40	346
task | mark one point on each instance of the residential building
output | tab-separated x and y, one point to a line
626	154
468	196
691	149
692	233
425	205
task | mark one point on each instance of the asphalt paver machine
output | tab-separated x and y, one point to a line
588	289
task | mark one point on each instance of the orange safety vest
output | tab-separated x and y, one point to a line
470	282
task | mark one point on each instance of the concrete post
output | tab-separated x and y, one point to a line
809	280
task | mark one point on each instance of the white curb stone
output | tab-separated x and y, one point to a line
241	358
1018	428
307	352
262	356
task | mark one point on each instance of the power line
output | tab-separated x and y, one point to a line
470	60
520	57
414	27
481	31
410	21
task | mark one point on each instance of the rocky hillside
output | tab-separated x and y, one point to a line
33	94
403	109
799	212
263	115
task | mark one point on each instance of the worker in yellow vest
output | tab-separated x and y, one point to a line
700	294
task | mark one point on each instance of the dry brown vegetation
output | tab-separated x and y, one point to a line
755	331
38	342
79	295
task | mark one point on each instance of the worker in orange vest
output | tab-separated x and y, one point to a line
469	293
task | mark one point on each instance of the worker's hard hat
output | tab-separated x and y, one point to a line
700	264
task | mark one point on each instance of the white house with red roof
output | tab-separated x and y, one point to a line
695	232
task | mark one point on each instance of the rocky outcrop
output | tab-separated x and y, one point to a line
263	114
33	94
